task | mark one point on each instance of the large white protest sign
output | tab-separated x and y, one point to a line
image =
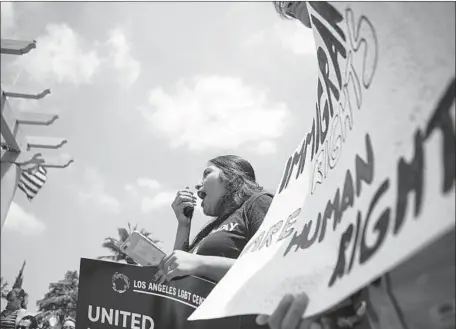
373	180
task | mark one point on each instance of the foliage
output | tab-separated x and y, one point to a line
4	290
4	287
113	245
62	299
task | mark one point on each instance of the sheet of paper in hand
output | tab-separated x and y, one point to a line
373	180
113	295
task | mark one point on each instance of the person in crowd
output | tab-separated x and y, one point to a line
27	322
237	204
69	323
16	307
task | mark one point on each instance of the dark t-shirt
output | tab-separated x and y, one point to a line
231	236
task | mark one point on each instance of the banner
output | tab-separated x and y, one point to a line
373	180
113	295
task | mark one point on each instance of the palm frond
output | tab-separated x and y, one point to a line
123	234
110	257
145	233
113	245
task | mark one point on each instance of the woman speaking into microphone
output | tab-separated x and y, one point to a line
237	205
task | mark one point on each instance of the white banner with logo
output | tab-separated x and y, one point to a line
373	180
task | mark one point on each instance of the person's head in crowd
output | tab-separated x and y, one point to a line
27	322
69	323
17	298
228	181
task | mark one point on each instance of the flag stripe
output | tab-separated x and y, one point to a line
31	183
27	192
30	187
37	177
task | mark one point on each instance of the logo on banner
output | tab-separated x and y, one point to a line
120	282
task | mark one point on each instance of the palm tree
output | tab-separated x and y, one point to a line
61	300
113	245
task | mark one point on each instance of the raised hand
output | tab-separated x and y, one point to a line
288	315
184	198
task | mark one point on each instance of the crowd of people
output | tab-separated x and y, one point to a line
15	312
16	316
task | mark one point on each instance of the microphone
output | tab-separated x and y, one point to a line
188	211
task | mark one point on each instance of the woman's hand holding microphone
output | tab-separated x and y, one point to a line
185	199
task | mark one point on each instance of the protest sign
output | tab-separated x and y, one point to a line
373	180
114	295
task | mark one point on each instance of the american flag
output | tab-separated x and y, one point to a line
31	181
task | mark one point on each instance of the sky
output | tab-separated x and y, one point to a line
146	93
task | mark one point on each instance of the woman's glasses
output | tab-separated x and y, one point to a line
68	327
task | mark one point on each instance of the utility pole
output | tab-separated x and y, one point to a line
19	151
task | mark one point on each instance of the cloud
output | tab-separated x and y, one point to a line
96	193
7	17
295	37
121	59
150	194
63	56
149	183
266	147
214	112
256	38
60	57
132	191
129	188
291	35
160	200
21	221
